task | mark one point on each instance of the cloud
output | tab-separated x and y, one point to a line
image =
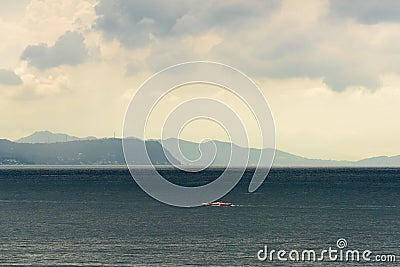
352	124
223	15
36	86
276	39
136	23
8	77
12	9
69	49
303	40
367	11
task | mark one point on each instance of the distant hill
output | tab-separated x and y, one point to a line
190	151
47	148
49	137
380	161
89	152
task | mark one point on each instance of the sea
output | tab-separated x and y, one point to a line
99	216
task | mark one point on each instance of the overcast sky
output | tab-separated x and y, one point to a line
330	70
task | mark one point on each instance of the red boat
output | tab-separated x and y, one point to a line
218	204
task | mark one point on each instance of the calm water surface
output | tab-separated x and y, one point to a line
98	217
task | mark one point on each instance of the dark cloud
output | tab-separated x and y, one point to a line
226	15
69	49
340	61
259	38
337	73
8	77
367	11
135	23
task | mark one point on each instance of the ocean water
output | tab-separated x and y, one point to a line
96	216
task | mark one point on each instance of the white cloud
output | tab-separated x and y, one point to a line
46	20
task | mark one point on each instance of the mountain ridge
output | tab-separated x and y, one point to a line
108	151
79	152
49	137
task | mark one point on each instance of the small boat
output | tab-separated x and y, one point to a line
218	204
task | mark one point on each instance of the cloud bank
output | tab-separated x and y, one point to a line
337	41
136	23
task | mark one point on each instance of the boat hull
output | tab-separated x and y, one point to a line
218	204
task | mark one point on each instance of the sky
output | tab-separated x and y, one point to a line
330	70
